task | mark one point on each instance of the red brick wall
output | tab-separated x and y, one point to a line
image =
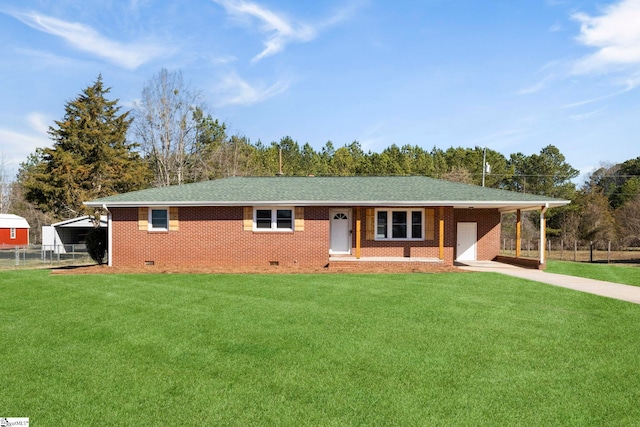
214	236
488	221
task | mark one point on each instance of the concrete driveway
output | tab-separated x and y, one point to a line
596	287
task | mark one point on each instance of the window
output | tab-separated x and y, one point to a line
273	219
416	224
263	219
13	233
399	224
381	228
284	219
158	219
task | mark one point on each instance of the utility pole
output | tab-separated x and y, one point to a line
486	167
280	162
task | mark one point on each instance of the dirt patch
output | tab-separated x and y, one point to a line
362	268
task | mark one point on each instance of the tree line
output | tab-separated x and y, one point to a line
168	138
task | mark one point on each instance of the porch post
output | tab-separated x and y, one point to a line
518	233
543	233
358	229
441	234
109	237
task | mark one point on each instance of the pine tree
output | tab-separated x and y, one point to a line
90	157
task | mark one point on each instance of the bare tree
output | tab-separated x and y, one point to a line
29	211
628	217
165	126
459	174
6	185
597	222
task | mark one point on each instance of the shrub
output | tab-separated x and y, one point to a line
97	244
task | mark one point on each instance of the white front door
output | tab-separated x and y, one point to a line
467	240
340	231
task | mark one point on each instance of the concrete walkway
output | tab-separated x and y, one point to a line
597	287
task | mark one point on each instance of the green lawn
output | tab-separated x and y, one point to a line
625	274
407	349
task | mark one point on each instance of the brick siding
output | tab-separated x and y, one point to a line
488	220
215	236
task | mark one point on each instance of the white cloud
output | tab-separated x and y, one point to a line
587	115
221	60
616	36
85	38
628	88
555	28
279	29
375	135
549	72
17	146
39	122
233	90
630	82
536	87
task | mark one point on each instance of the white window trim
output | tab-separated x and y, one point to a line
390	224
13	234
150	222
274	219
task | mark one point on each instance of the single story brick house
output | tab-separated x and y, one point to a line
14	231
311	222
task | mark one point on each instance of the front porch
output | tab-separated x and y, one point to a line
351	258
349	263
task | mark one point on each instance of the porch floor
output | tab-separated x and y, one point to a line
351	258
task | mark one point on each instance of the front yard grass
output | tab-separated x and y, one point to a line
327	349
616	273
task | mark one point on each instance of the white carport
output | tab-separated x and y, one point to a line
68	235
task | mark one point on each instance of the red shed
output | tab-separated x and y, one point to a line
14	230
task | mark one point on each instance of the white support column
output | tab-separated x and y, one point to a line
543	232
109	237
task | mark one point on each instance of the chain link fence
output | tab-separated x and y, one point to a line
34	256
575	250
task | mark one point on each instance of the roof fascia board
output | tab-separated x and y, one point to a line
70	221
505	205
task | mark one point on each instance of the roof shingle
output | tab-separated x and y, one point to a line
354	190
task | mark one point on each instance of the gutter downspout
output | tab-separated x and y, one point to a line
109	236
543	232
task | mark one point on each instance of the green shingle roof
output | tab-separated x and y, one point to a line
344	191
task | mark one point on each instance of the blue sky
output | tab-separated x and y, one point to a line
514	76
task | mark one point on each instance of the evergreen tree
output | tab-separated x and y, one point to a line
545	174
90	157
